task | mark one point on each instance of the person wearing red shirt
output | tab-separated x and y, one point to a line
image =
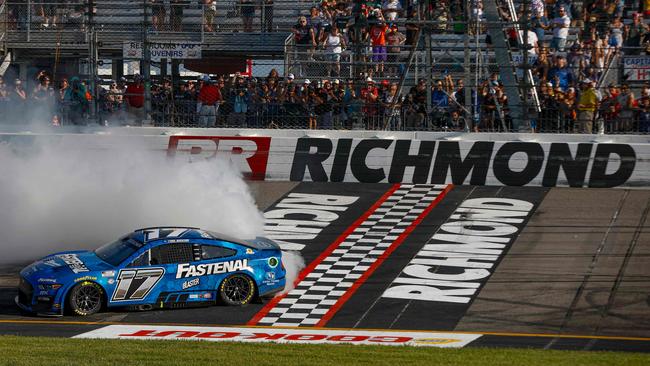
370	96
378	39
135	99
209	98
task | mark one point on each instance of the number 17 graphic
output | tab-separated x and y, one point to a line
135	284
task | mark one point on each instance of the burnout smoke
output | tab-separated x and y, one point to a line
293	263
55	198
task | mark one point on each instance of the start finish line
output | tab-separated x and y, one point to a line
279	335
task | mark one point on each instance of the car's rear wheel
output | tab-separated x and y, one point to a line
237	289
86	298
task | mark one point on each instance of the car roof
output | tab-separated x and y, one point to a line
183	233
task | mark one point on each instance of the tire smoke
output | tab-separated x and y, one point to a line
294	264
55	198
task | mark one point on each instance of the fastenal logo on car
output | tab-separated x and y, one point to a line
190	270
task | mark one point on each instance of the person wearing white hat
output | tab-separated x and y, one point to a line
587	104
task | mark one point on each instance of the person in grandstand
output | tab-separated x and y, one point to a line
370	95
392	106
342	16
560	25
334	44
75	101
644	116
417	105
209	13
392	9
134	96
457	122
323	107
239	99
561	75
305	39
43	97
587	106
394	41
337	95
317	22
208	102
628	106
247	11
158	14
176	14
378	40
635	34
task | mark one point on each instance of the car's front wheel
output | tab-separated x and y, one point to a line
86	298
237	289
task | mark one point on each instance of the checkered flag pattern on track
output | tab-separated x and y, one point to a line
321	289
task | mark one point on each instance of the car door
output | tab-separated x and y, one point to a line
216	252
137	283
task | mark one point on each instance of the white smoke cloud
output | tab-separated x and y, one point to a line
293	263
57	198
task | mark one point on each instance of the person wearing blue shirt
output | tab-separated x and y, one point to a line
561	75
438	96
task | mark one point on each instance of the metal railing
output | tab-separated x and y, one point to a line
27	18
344	110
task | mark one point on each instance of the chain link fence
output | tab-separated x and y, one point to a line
325	84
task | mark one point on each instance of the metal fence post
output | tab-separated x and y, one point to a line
29	19
146	72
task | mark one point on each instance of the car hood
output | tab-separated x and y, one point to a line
65	264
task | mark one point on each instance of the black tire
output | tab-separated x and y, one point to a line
237	289
86	298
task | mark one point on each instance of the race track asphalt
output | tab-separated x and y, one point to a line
575	275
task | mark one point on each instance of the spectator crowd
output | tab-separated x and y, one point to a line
570	46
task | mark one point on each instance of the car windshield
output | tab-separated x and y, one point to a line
116	252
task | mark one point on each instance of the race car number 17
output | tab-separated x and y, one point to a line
135	284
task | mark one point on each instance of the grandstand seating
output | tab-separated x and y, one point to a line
121	20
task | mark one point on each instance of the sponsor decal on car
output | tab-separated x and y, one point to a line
191	283
75	264
48	280
85	278
191	270
249	251
279	335
273	262
135	284
269	278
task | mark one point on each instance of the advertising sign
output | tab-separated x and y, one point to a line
160	50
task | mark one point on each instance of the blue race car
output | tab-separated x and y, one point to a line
153	268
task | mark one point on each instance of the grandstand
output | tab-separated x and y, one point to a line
479	42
